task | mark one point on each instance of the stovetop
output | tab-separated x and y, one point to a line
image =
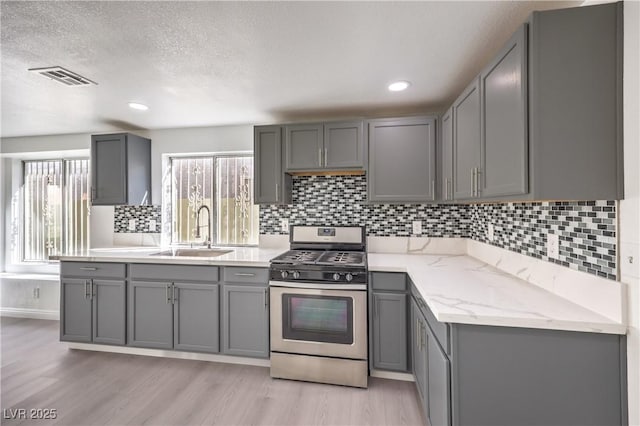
333	258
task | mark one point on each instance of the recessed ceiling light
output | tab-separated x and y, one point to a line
399	86
135	105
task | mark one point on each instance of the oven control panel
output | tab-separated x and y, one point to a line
334	276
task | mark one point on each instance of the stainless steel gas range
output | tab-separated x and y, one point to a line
319	307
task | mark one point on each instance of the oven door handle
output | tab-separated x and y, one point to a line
318	285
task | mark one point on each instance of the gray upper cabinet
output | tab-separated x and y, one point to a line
409	142
328	146
245	320
304	147
120	169
92	303
466	142
543	119
575	103
503	89
446	155
344	145
271	184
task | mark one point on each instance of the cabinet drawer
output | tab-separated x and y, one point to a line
245	275
174	272
392	281
92	269
440	329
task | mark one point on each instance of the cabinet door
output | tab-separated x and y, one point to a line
108	169
446	155
466	142
304	147
343	145
196	312
109	317
267	145
419	352
150	314
390	331
438	373
245	320
75	315
504	121
409	142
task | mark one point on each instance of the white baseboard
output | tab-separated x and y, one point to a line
30	313
226	359
405	377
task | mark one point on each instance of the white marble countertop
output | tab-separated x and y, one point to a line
461	289
238	256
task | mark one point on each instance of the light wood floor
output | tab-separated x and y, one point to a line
96	388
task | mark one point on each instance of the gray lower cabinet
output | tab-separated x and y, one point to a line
388	314
390	331
409	142
120	169
487	375
93	303
245	320
174	315
271	184
150	314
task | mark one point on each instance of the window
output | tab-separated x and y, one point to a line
223	183
56	208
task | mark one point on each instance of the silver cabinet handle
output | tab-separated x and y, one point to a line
478	173
173	293
168	286
433	190
418	335
86	268
320	157
92	289
266	297
473	181
326	154
86	289
450	189
93	193
244	274
277	192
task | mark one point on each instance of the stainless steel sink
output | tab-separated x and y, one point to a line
203	252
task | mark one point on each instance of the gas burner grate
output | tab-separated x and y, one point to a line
346	258
298	256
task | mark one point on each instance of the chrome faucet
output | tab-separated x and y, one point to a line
207	242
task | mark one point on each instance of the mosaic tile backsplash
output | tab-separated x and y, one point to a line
342	200
142	215
586	229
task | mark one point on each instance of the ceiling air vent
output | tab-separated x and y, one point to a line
64	76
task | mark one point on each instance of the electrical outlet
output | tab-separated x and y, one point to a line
553	246
490	232
284	225
417	227
152	225
132	224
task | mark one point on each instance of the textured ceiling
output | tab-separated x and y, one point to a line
216	63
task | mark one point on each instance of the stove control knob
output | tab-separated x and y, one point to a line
349	277
336	276
296	275
284	274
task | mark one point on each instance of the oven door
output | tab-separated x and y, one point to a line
319	322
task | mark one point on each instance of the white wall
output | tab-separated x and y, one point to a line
629	214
